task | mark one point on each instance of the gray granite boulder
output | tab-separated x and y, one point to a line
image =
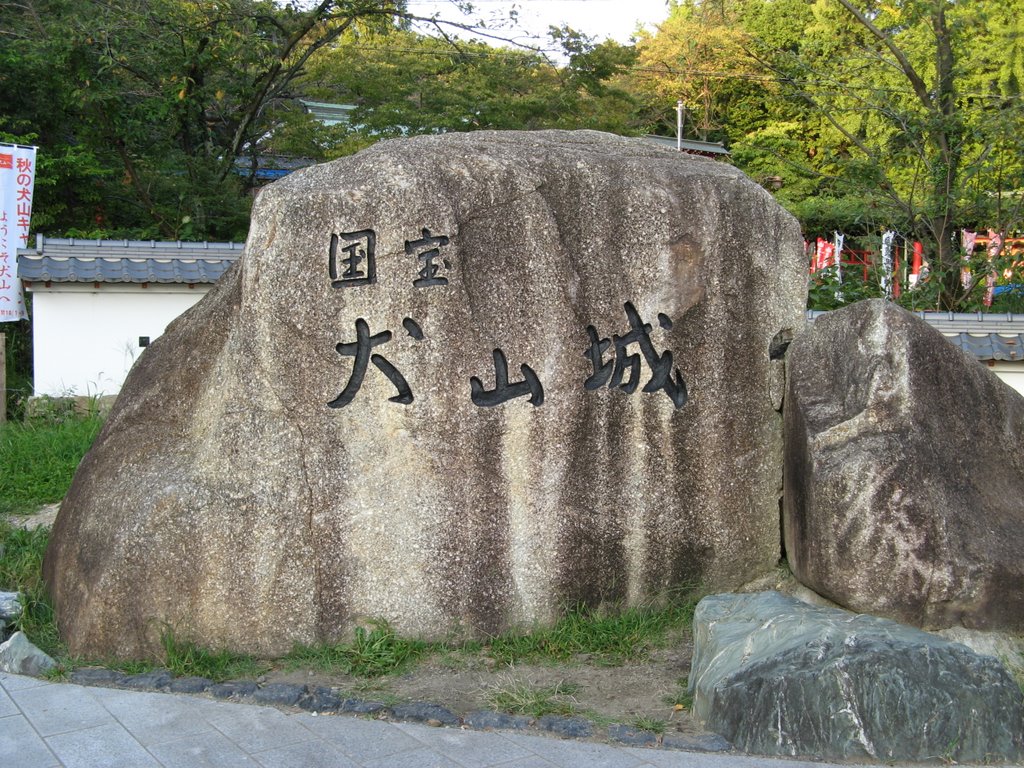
10	607
904	473
456	383
20	657
775	676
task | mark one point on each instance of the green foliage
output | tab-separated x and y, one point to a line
904	125
38	457
21	570
682	698
374	652
652	724
607	639
18	360
403	83
184	658
520	697
826	291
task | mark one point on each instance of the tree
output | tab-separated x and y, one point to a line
404	83
169	94
699	56
888	84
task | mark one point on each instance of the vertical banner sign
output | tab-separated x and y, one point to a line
17	178
888	265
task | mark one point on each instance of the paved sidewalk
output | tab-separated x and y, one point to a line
45	725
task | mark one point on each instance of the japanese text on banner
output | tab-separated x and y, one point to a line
17	179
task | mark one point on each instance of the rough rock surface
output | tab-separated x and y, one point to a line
775	676
10	607
20	657
904	473
437	390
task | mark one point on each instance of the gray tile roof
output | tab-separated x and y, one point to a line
991	346
71	260
986	335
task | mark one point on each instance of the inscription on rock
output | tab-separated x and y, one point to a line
361	247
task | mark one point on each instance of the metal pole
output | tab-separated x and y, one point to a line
679	126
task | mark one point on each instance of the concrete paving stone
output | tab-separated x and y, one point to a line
570	752
19	682
308	754
670	758
106	746
21	746
471	749
424	757
7	705
206	750
154	718
54	709
360	739
533	761
255	728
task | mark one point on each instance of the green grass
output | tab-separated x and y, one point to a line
21	570
376	651
605	639
186	659
682	698
38	459
520	697
651	724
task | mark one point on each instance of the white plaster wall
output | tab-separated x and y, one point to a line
1011	373
86	340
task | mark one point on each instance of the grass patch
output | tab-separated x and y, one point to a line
651	724
519	697
38	459
682	698
21	570
186	659
606	639
374	652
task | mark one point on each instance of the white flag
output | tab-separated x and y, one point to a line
17	180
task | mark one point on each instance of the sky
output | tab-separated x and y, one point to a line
600	19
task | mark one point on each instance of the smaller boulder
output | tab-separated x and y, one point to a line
904	473
10	607
19	657
777	677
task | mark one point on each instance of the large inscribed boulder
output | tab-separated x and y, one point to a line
457	383
904	473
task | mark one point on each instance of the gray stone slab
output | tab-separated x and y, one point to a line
533	761
54	709
154	718
21	746
308	754
361	740
667	758
256	729
577	753
206	750
7	706
106	746
469	748
13	682
424	757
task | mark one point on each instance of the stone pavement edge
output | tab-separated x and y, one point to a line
61	725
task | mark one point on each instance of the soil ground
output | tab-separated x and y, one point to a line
648	693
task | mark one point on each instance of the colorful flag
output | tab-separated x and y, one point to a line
17	180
